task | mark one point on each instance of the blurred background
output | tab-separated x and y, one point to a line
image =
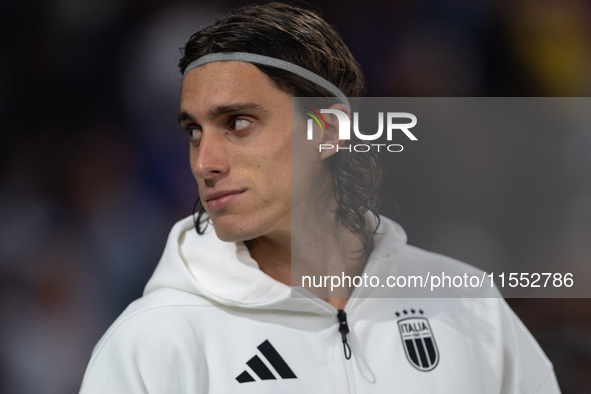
94	168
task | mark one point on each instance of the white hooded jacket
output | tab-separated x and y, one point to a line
210	321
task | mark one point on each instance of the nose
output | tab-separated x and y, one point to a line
209	158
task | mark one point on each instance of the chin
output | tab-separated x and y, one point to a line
235	229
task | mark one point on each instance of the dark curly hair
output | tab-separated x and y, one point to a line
302	37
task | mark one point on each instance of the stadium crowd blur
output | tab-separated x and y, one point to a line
94	168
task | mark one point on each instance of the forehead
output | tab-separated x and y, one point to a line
222	82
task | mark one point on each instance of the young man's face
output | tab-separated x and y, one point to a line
240	153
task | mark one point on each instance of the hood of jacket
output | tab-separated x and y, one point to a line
225	273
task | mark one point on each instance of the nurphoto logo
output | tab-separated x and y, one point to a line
345	129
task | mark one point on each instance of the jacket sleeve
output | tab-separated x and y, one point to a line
526	369
144	353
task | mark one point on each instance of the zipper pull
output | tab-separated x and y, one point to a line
344	330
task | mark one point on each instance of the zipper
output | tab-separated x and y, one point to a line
343	326
344	330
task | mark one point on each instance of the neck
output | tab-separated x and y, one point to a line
273	255
313	243
314	254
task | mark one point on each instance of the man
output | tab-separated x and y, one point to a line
219	316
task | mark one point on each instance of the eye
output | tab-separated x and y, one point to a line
194	133
240	124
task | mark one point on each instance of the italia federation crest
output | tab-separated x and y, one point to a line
419	343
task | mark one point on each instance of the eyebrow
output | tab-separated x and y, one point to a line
220	110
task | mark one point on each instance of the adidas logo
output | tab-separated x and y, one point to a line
260	368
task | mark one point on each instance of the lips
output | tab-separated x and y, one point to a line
221	199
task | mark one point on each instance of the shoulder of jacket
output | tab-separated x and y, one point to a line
153	335
427	258
434	267
158	317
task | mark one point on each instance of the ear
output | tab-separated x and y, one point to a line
331	136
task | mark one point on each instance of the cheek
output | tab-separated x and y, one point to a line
274	170
282	159
305	165
192	157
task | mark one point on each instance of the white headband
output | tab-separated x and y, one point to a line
269	61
